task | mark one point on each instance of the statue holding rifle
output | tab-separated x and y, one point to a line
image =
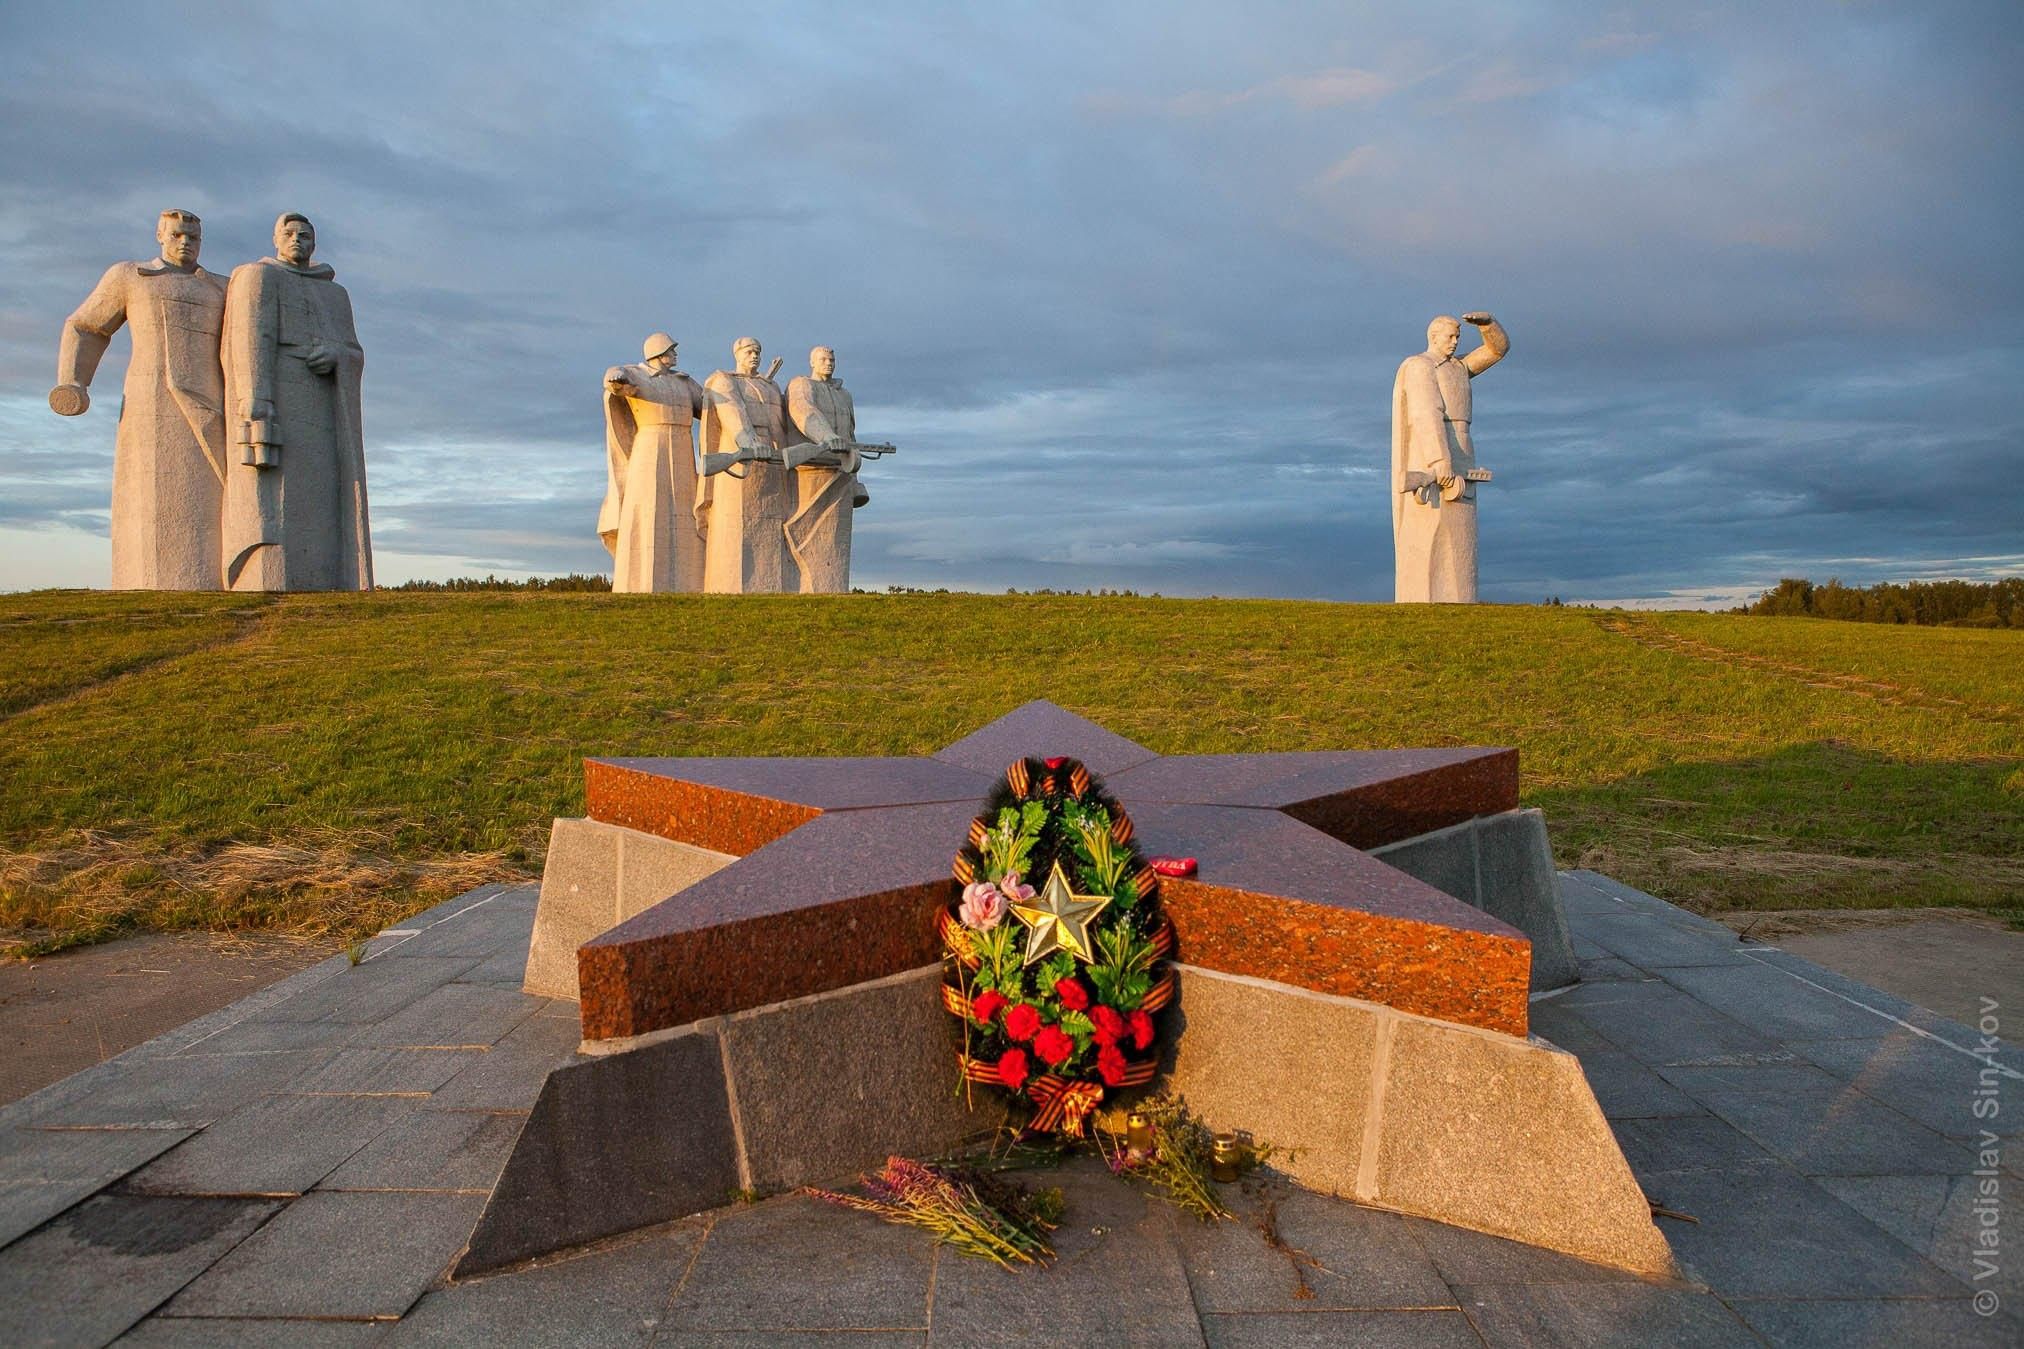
1433	467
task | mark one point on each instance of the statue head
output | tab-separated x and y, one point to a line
822	362
181	235
1442	334
745	352
294	239
659	351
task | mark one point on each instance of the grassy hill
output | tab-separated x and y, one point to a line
328	763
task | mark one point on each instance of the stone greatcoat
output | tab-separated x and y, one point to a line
648	518
744	519
299	523
1434	528
169	452
818	533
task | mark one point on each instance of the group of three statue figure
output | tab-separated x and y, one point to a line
758	499
238	463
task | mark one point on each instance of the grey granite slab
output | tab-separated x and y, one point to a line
1601	969
94	1156
1839	1132
27	1204
277	1145
1947	1219
393	1246
254	1036
370	992
1626	1089
1602	1316
1343	1256
1774	1003
432	1150
789	1339
1117	1277
1661	1024
797	1263
1653	944
480	929
374	1071
1770	1232
509	1075
1687	1143
1431	1329
1465	1257
87	1276
610	1295
181	1092
665	1148
1565	1027
1875	1324
455	1016
194	1332
1935	1084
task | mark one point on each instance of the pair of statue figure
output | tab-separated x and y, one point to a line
238	463
758	502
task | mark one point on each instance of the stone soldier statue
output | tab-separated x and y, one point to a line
1433	469
743	510
168	462
818	533
648	517
295	507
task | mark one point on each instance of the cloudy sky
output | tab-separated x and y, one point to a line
1127	283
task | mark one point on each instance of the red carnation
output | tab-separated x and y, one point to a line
1022	1021
1110	1065
1072	994
1109	1025
1053	1046
1057	760
1012	1068
1141	1029
986	1004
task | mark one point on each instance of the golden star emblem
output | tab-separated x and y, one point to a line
1059	921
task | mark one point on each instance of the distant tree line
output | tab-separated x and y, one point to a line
1951	604
463	583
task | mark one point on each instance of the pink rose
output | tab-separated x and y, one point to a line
1014	892
982	906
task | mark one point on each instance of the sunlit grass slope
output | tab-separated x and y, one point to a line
327	763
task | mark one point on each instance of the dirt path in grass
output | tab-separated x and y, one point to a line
1659	638
60	1014
1947	960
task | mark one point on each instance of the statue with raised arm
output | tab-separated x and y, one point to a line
168	466
1433	464
648	518
822	415
295	507
743	509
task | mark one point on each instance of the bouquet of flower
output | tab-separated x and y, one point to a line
1057	946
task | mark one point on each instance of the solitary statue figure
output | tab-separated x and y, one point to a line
295	510
168	465
1433	465
648	521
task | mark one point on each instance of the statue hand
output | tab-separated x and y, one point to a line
321	360
259	410
1478	317
69	400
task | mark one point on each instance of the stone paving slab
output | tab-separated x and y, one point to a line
457	1150
801	1264
336	1256
104	1265
278	1145
1761	1095
616	1294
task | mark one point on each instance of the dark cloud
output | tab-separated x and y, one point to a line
1127	284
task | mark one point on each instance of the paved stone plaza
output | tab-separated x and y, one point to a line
301	1167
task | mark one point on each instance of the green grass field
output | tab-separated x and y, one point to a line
326	764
